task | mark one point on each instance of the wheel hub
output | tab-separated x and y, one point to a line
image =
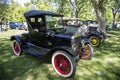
85	52
16	47
63	63
94	41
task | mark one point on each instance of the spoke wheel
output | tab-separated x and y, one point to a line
95	41
86	52
63	64
16	48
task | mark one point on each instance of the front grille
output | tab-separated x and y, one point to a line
75	42
93	29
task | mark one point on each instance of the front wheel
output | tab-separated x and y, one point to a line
63	64
16	47
86	52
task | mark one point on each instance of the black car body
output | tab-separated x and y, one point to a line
47	37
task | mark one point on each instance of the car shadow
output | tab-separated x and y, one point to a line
25	66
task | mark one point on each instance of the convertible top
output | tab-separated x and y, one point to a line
40	12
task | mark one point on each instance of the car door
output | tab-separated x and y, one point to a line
38	31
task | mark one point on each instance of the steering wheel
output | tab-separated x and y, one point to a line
50	33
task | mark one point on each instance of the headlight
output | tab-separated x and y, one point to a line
74	47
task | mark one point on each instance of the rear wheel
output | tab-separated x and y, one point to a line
63	64
86	52
16	47
95	40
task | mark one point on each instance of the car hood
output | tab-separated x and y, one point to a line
64	35
93	25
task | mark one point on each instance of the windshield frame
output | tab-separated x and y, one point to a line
56	24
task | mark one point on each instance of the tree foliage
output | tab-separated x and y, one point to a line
115	9
99	7
4	6
102	10
76	6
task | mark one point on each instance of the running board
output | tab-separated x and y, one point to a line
36	50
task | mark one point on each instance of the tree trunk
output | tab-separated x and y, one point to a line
113	22
99	10
75	13
101	20
114	12
75	9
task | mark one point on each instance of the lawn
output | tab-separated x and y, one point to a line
104	65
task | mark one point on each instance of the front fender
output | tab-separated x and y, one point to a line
94	34
85	41
15	37
66	49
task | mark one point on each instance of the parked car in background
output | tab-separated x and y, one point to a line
86	28
22	26
13	25
17	25
3	26
118	25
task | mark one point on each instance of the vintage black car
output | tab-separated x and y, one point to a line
45	36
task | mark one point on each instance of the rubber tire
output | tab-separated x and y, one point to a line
90	55
71	60
97	43
19	47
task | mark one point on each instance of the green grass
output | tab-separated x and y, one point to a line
104	65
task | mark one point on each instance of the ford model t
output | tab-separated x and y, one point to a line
45	36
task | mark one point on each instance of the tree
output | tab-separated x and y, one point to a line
76	6
40	4
3	8
71	8
99	7
115	9
60	6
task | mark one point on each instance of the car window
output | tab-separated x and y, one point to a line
51	18
32	19
53	22
39	20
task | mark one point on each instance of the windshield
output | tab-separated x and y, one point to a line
53	22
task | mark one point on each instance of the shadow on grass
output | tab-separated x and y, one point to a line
29	67
114	32
105	63
26	66
111	46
